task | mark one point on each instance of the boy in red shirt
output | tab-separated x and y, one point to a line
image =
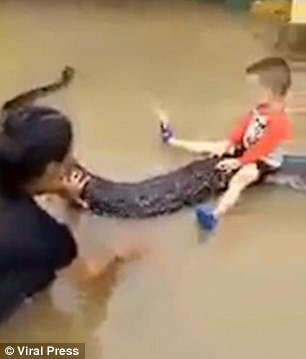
252	149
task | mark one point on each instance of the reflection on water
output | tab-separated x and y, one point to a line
238	295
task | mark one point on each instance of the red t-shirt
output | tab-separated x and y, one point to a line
261	132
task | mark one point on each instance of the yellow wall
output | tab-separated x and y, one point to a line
272	8
298	12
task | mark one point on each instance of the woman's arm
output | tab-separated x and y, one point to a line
87	270
71	216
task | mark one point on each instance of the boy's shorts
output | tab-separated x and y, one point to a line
264	168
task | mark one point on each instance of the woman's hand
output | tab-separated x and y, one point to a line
72	186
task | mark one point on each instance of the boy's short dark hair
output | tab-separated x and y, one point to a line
274	73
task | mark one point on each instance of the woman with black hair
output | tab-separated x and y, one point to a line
35	157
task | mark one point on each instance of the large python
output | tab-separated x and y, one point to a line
167	193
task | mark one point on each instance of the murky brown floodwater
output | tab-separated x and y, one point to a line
242	294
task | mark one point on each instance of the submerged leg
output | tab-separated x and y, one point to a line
209	217
242	179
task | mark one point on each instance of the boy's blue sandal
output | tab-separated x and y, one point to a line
206	217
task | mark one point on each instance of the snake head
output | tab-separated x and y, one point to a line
68	75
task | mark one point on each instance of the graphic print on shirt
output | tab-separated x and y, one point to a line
255	129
